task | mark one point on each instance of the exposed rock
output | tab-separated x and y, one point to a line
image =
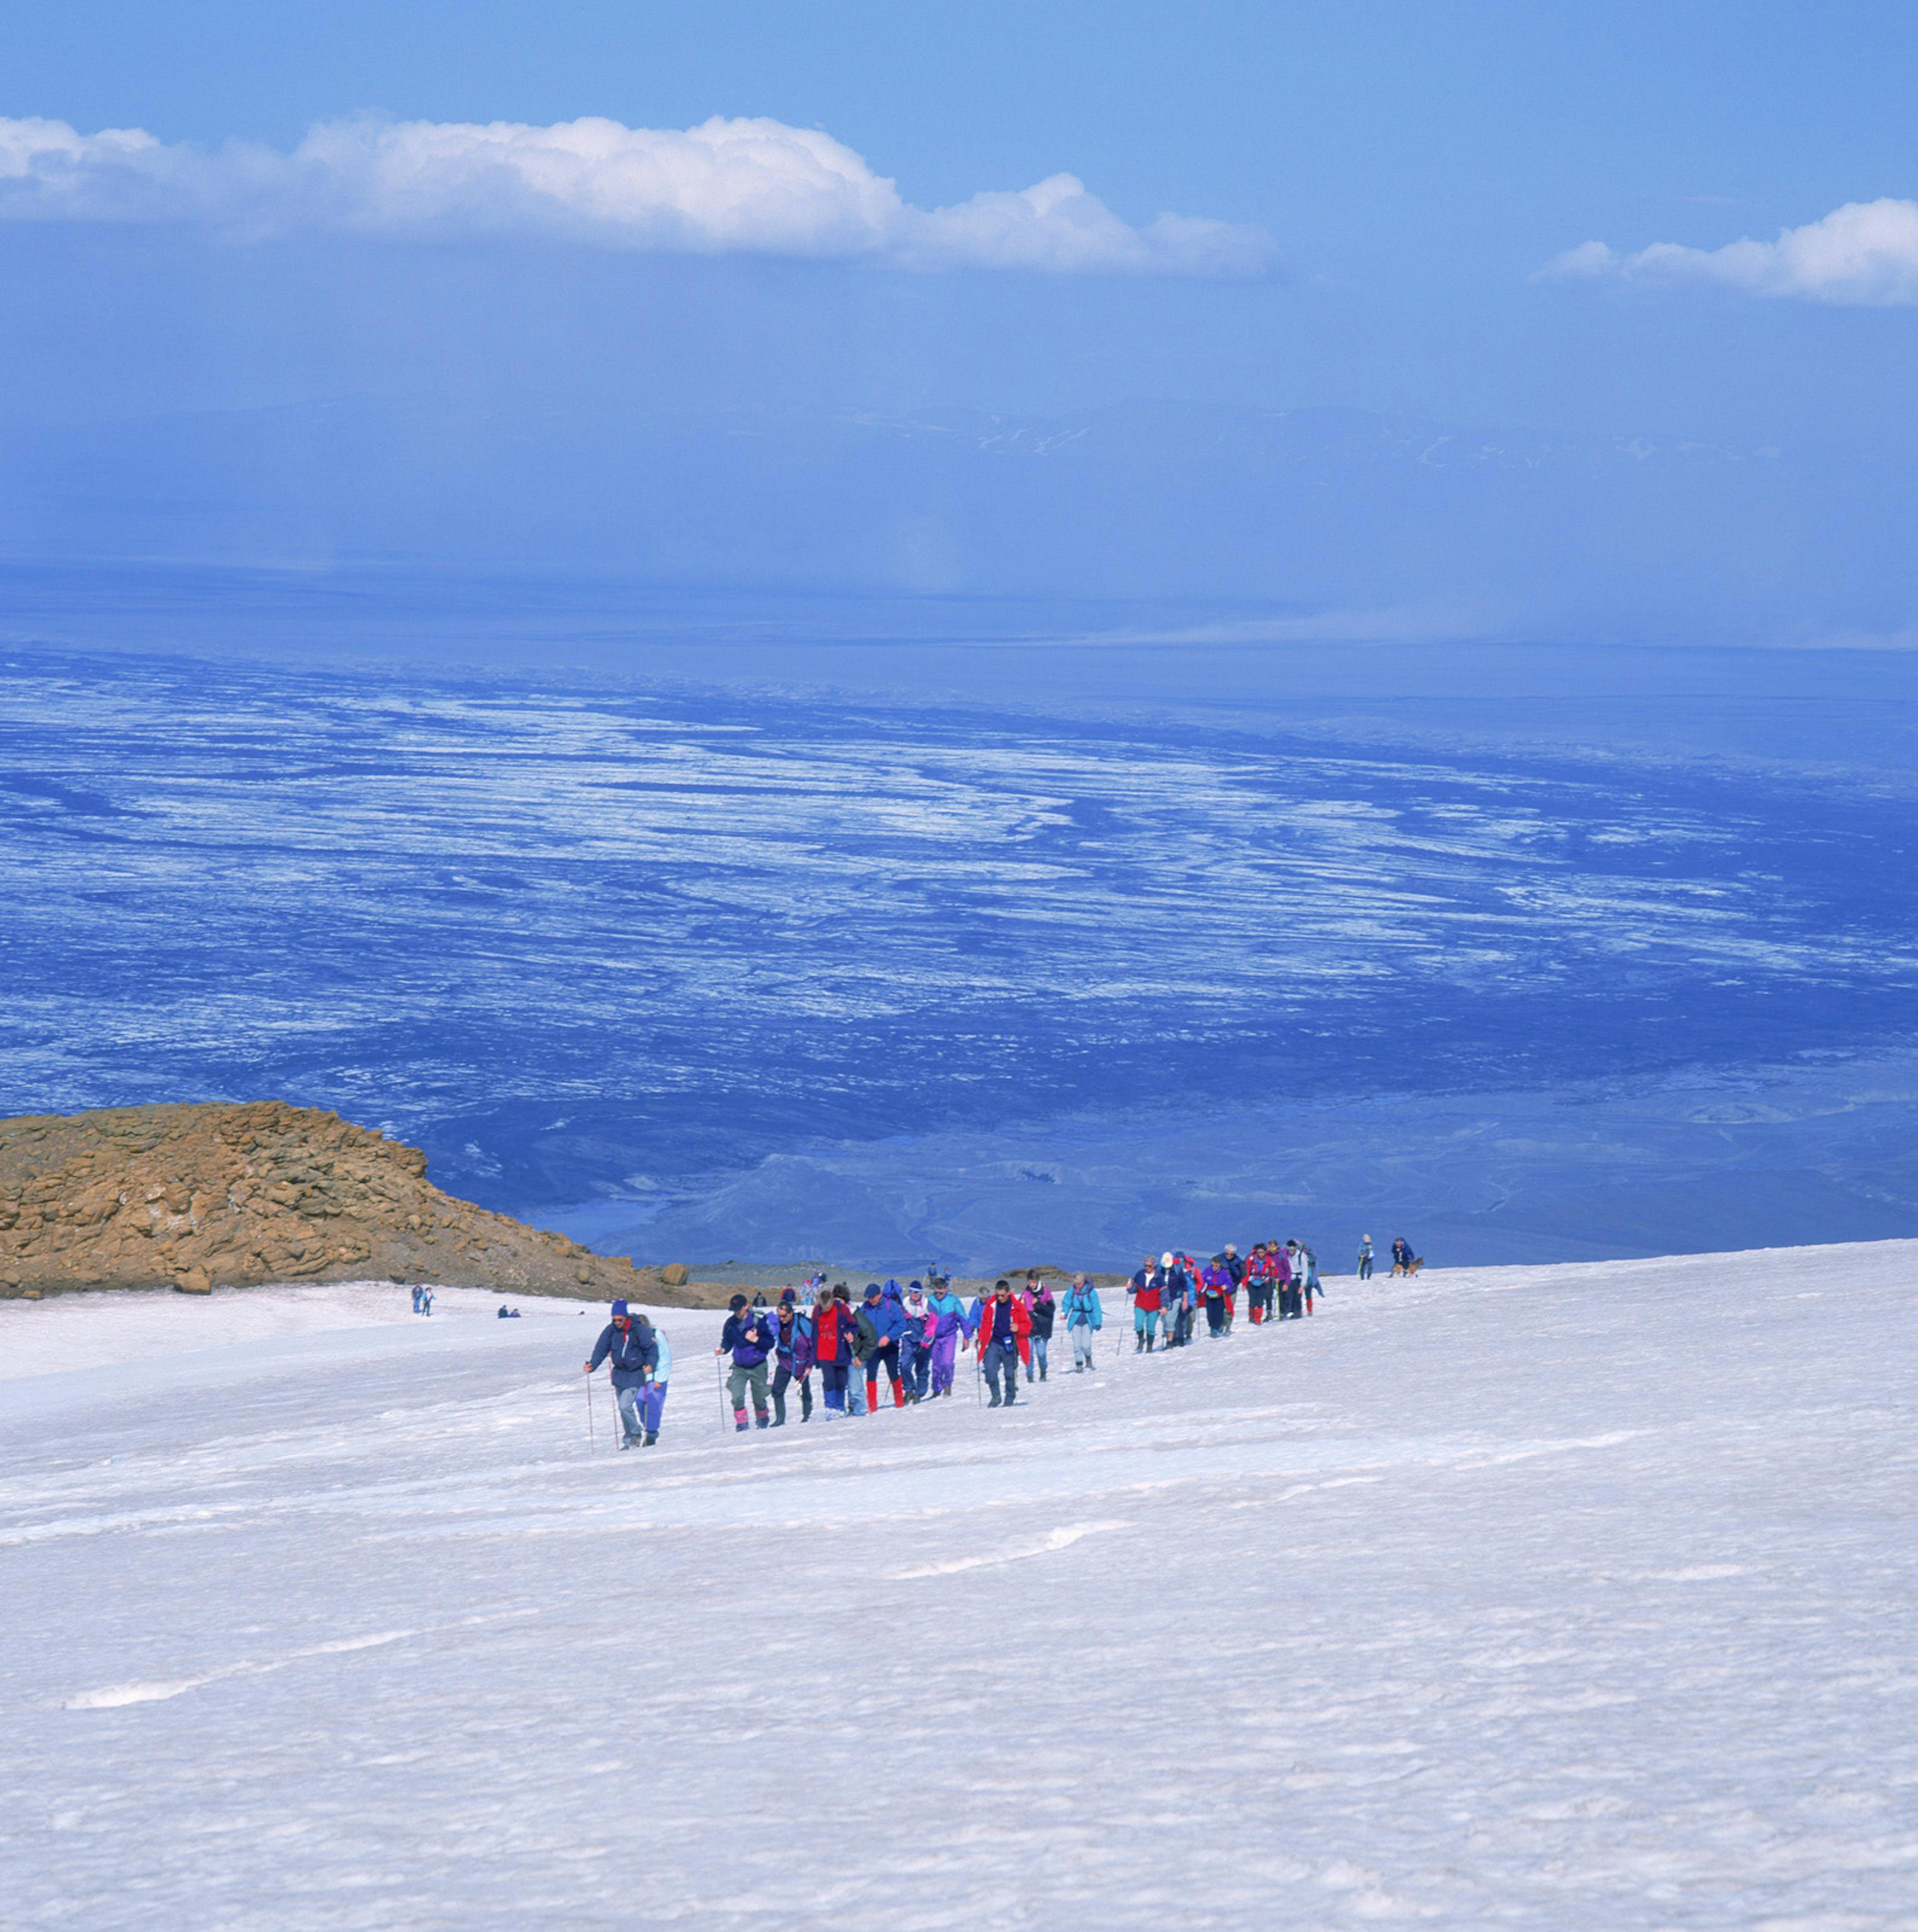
227	1196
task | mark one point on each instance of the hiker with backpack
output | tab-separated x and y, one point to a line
1084	1318
1041	1310
631	1343
834	1335
1147	1294
950	1326
792	1351
748	1336
1003	1334
915	1343
885	1312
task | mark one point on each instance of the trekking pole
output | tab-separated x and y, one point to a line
592	1434
719	1370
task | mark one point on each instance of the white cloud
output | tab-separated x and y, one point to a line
755	187
1864	254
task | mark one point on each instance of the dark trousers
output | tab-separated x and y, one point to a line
1001	1363
781	1382
915	1365
1365	1268
1215	1317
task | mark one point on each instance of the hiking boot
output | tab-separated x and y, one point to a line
652	1437
994	1403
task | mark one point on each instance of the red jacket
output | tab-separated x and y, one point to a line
1021	1326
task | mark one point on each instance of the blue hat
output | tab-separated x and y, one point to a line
619	1308
872	1288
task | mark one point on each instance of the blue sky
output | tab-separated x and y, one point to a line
1380	192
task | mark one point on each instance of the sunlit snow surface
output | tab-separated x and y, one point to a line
1563	1598
991	976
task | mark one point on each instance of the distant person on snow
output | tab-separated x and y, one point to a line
885	1308
865	1340
1215	1290
950	1326
426	1301
1146	1294
749	1337
1175	1294
792	1349
652	1397
1004	1329
1309	1264
1235	1270
1084	1319
1258	1285
915	1343
1365	1257
416	1297
1041	1311
834	1332
634	1353
1401	1255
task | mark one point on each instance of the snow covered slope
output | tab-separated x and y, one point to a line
1576	1597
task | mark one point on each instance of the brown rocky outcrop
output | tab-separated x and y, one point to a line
220	1196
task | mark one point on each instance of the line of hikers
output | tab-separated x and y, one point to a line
910	1337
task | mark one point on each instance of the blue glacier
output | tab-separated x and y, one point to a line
830	929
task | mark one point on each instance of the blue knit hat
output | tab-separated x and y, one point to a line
619	1308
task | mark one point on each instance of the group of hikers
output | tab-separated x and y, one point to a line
908	1339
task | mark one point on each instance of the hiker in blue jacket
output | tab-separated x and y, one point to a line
748	1335
885	1309
1084	1318
634	1352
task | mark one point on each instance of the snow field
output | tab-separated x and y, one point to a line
1570	1596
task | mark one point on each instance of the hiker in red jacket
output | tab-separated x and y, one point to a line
1004	1327
1146	1296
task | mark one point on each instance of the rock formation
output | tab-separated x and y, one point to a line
218	1196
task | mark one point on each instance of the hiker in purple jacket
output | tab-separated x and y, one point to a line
748	1334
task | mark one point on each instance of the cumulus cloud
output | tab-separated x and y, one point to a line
753	187
1864	254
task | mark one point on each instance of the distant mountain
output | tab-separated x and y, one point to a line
1409	526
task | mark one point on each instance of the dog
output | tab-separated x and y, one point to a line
1412	1267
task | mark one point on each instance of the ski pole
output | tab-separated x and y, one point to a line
592	1434
719	1369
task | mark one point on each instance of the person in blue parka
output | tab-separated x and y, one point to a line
1084	1318
884	1309
634	1350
